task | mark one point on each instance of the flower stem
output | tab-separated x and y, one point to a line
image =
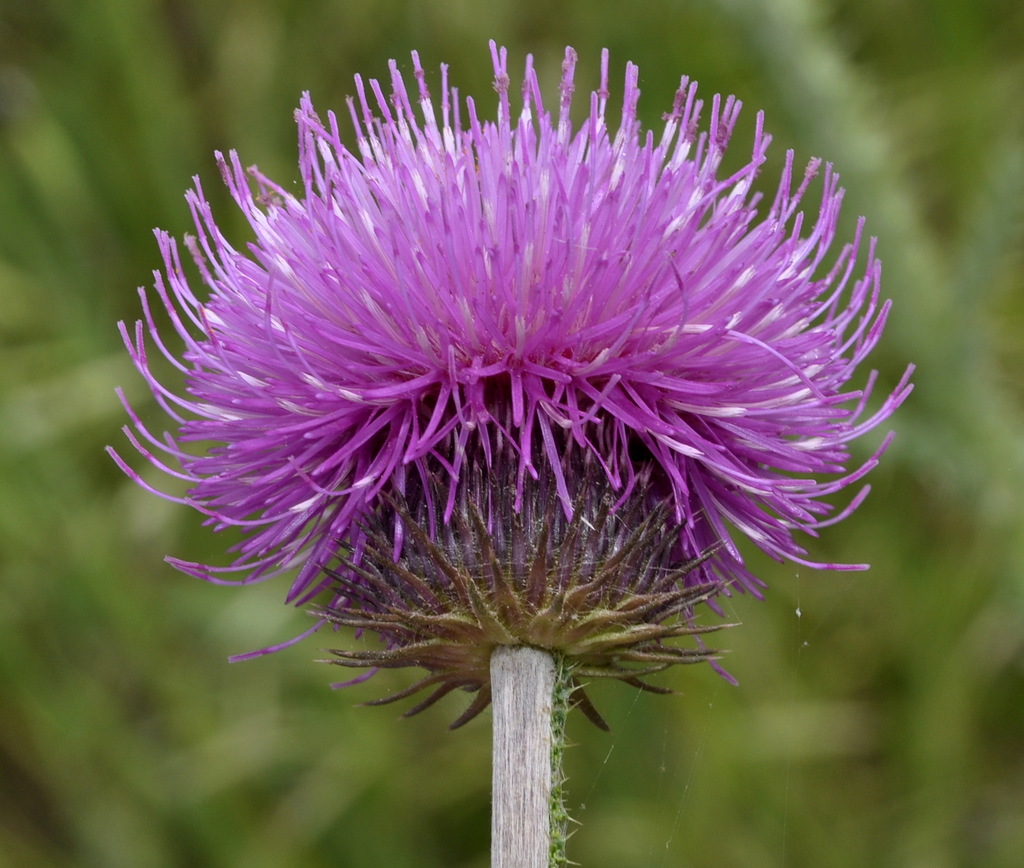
559	816
522	685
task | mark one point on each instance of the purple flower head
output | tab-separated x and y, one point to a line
458	293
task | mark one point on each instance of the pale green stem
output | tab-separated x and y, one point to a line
560	705
531	692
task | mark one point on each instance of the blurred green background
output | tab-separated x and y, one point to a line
880	716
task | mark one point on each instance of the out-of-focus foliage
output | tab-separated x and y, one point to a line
879	715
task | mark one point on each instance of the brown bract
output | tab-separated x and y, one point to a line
603	589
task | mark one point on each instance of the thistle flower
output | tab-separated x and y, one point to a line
516	381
